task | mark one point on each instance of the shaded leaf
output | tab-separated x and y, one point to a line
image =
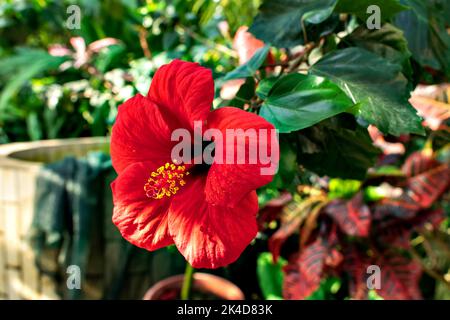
279	21
245	93
333	150
388	8
388	42
376	84
424	28
397	232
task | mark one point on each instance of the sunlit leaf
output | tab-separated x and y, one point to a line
297	101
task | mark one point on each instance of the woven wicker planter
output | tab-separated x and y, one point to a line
19	164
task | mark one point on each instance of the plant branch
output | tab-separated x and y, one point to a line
429	271
143	42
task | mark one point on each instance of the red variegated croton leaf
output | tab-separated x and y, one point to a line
272	210
304	271
307	268
352	217
397	232
399	277
290	223
355	264
427	179
292	217
389	208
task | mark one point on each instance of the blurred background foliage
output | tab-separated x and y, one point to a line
74	90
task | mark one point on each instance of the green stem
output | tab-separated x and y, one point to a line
187	282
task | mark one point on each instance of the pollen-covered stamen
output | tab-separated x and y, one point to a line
165	181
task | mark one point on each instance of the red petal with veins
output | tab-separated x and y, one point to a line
227	184
185	90
141	133
141	220
211	236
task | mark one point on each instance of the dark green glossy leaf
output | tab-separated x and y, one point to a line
388	8
332	149
376	84
388	42
424	28
244	94
279	21
264	86
288	166
298	101
249	69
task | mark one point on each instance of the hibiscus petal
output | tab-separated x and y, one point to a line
185	90
141	220
210	236
227	183
141	133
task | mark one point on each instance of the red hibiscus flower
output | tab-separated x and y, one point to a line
207	211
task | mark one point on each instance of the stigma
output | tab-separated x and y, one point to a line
165	181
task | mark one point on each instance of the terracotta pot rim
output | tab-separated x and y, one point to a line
203	282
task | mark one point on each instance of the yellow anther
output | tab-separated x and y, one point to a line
165	181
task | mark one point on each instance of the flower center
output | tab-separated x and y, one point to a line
165	181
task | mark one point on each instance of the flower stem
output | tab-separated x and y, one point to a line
187	282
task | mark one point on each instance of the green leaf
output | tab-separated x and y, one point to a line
270	276
335	149
245	93
279	21
328	287
388	42
23	66
376	84
249	69
288	166
343	189
424	26
298	101
388	8
108	56
264	86
34	126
